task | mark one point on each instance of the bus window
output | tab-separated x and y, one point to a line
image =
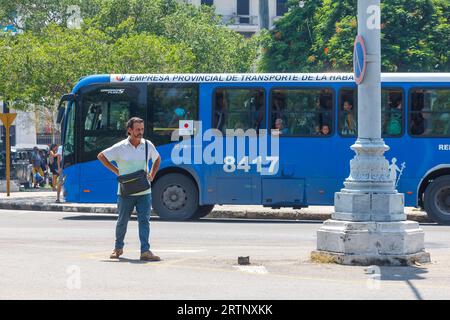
392	112
301	112
429	113
348	113
239	109
168	104
105	112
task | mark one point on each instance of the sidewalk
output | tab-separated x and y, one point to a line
45	201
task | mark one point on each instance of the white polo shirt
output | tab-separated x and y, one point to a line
130	159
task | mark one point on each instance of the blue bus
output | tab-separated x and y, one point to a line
314	117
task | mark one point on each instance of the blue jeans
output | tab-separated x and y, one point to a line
125	206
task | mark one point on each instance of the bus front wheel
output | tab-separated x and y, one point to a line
437	200
175	197
203	211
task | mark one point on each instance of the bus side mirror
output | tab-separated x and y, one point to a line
61	108
60	116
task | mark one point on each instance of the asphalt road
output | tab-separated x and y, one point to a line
51	255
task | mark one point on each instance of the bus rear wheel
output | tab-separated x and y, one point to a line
175	197
437	200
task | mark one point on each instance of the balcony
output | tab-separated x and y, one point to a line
242	23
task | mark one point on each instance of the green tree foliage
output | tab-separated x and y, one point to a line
40	68
31	15
215	47
46	58
147	53
319	37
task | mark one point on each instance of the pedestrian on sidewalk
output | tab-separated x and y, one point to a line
36	162
59	153
44	166
131	156
53	161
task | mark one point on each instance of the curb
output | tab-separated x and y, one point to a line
304	216
217	213
40	206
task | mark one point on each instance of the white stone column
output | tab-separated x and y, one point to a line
369	225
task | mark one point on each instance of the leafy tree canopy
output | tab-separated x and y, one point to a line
46	57
319	37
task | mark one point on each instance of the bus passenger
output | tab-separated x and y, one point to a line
220	110
239	125
259	113
394	123
179	114
323	109
348	123
325	130
317	129
417	125
279	128
278	107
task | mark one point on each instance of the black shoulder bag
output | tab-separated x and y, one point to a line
135	182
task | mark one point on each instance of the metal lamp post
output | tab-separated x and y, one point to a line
369	225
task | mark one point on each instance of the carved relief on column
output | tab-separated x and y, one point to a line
369	166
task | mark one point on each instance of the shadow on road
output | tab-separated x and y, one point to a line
404	274
93	217
126	260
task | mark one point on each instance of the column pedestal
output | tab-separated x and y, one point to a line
368	226
398	243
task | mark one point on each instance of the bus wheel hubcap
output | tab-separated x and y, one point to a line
443	200
174	197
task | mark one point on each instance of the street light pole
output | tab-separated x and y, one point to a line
368	226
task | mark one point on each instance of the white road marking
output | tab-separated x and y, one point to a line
252	269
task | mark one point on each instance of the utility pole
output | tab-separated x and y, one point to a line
369	226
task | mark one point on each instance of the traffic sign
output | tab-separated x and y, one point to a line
359	59
7	119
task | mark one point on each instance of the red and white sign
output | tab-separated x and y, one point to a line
186	127
359	59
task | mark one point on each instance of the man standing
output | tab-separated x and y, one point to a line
129	155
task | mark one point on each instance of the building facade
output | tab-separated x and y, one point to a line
31	128
247	16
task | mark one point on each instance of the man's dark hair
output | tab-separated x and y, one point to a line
132	121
